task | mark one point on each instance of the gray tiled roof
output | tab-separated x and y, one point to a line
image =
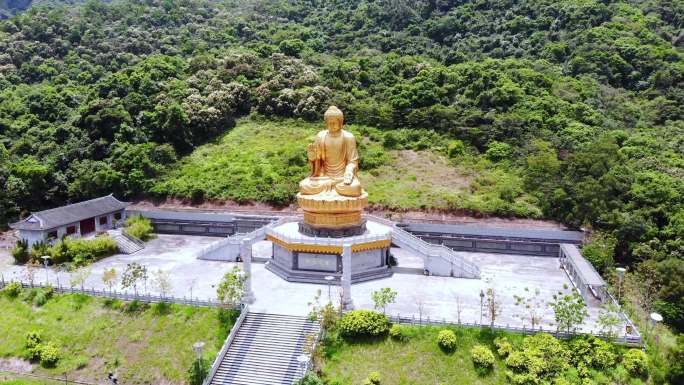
52	218
548	235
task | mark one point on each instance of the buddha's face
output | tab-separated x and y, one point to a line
333	124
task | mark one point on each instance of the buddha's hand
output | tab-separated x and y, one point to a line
348	177
312	152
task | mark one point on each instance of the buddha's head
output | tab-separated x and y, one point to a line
333	119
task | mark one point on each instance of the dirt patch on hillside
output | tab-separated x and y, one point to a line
16	365
7	242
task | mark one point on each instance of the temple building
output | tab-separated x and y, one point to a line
75	220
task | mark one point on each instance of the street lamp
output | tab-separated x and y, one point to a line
46	259
655	318
482	295
329	279
303	361
198	347
620	275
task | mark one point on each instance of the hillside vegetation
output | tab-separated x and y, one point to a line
579	101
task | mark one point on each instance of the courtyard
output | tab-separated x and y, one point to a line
419	296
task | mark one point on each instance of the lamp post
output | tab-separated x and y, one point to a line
46	259
303	361
198	347
620	275
482	295
655	318
329	279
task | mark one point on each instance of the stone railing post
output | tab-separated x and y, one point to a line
347	303
246	255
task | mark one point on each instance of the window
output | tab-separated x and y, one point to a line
52	235
71	230
103	220
117	216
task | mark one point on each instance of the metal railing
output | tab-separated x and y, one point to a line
122	296
226	345
132	238
624	339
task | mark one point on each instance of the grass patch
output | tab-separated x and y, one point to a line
264	160
149	346
419	360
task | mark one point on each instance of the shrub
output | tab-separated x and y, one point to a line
33	338
360	323
497	151
40	298
12	289
455	148
197	372
372	379
83	251
516	361
310	379
397	332
446	339
636	362
503	346
49	355
482	357
139	227
20	252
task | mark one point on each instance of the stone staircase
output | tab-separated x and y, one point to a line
126	243
265	350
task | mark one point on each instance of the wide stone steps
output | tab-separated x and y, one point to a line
125	245
265	350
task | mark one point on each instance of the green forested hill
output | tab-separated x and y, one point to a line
572	108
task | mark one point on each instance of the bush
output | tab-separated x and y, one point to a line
503	346
197	372
310	379
636	362
49	355
33	339
456	148
516	361
20	252
83	251
497	151
372	379
139	227
363	323
40	298
446	339
12	289
482	357
397	332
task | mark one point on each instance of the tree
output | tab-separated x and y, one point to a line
109	278
493	305
609	321
231	288
162	282
531	305
383	297
80	276
569	310
132	276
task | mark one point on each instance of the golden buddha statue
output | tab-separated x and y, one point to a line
332	196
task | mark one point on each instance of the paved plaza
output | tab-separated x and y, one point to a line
434	297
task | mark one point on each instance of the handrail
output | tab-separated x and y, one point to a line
226	345
132	238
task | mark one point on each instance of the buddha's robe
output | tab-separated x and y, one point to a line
337	154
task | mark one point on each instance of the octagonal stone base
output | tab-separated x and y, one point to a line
299	257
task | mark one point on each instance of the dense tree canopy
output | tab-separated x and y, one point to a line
583	98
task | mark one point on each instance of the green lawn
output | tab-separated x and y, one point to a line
264	160
418	361
149	346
